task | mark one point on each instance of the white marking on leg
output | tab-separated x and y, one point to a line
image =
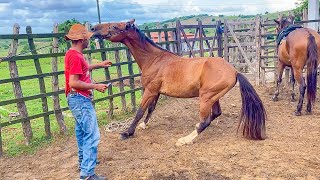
187	139
143	125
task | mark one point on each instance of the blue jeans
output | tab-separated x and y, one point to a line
87	132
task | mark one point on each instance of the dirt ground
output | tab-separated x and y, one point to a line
291	151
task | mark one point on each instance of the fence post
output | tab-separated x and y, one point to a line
166	37
27	131
55	84
201	38
132	86
219	39
121	84
258	49
225	41
1	150
262	53
178	36
108	77
41	82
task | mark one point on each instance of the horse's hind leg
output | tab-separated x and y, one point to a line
215	110
293	82
302	88
281	67
151	108
208	112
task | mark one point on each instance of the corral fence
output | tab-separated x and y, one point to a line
248	45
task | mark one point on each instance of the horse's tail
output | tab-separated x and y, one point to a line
253	114
312	64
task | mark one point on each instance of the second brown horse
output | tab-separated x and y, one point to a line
166	73
301	47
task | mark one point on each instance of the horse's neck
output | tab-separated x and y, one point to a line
144	54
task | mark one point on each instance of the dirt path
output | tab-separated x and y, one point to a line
292	150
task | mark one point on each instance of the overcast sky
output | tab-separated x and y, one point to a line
42	14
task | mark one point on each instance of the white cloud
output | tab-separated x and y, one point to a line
44	13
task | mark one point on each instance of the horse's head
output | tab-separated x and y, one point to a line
114	32
282	23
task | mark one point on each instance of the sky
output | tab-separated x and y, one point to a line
41	15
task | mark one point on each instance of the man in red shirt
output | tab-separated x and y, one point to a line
79	94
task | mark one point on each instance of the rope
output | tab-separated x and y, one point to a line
116	126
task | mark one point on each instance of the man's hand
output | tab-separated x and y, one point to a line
100	87
105	64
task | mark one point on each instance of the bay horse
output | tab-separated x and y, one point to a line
164	72
299	48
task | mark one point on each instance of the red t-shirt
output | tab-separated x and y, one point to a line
75	63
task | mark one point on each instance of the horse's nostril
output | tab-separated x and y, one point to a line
92	29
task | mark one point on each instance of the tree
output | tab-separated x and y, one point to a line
300	6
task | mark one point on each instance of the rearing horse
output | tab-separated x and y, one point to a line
164	72
300	47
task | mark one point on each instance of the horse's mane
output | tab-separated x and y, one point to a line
144	39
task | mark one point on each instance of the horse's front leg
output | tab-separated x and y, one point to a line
151	108
281	67
147	98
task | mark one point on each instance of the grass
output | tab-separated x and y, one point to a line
12	136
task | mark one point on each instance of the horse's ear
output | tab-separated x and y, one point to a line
130	23
275	20
291	18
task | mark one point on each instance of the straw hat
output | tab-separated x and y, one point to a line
77	32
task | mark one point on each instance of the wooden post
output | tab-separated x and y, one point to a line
166	37
55	84
1	150
225	41
132	86
194	42
305	17
159	33
66	30
201	38
108	77
258	49
121	84
41	83
219	39
178	36
148	33
173	38
27	131
262	53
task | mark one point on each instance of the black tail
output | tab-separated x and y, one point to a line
253	114
312	64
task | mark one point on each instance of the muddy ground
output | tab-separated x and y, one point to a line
291	151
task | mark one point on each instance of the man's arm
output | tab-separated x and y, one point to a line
103	64
74	82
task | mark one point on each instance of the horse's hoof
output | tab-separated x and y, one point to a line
124	135
297	113
143	126
180	143
308	112
275	98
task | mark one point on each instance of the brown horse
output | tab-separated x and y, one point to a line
164	72
301	47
